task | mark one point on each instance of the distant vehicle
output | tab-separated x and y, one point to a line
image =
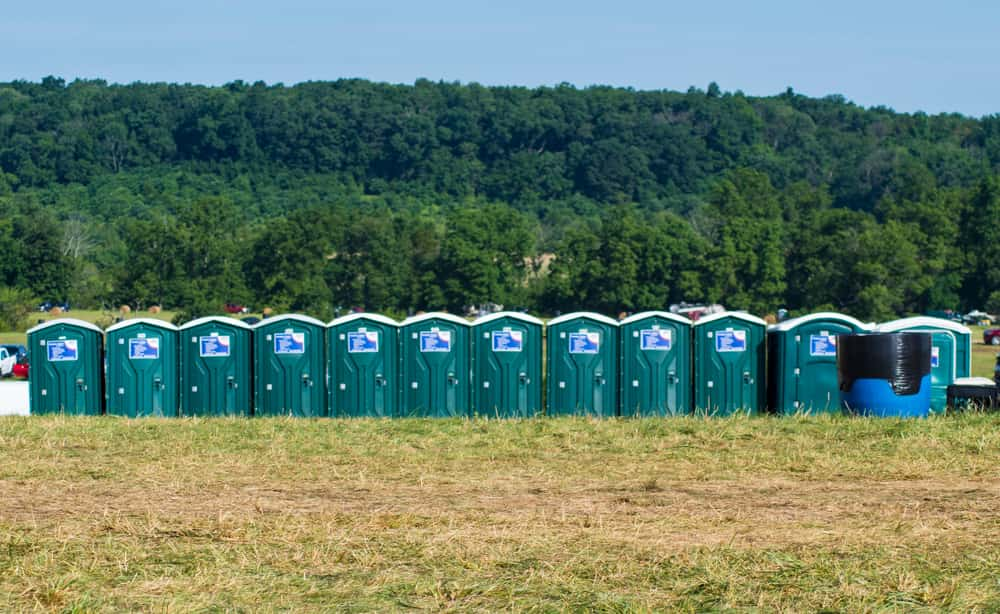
251	320
7	361
17	350
991	336
977	317
234	308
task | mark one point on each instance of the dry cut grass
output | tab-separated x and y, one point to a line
795	514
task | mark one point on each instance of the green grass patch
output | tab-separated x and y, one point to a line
803	514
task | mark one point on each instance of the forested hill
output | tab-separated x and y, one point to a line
439	195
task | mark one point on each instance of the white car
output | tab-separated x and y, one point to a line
7	362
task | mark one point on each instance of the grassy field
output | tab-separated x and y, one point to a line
550	514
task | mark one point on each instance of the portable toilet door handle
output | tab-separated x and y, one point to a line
746	378
452	379
671	377
306	380
158	384
80	384
522	378
379	380
231	381
599	379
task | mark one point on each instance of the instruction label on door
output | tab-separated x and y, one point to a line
289	343
60	350
508	340
362	342
656	339
731	341
144	349
435	341
584	343
215	345
935	356
822	345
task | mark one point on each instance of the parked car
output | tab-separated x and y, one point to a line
21	369
234	308
17	350
977	317
7	361
991	336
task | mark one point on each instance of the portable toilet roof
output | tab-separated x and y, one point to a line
148	321
434	315
288	316
657	314
823	315
219	319
905	323
376	317
516	315
64	321
583	314
739	315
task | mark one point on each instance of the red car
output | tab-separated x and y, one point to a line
21	370
991	336
234	308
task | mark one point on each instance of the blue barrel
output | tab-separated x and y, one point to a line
885	375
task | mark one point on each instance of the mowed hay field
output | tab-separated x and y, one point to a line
691	514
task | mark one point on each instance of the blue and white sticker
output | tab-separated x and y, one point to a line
289	343
935	356
822	345
144	348
365	342
435	341
731	341
508	340
656	339
584	343
60	350
214	345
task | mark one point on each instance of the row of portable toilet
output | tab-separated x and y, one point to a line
653	363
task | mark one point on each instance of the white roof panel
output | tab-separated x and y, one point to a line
72	321
739	315
148	321
583	314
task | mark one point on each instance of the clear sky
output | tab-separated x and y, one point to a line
914	55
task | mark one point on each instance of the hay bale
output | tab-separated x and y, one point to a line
125	310
155	309
55	311
267	311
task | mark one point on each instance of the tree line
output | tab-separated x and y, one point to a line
439	196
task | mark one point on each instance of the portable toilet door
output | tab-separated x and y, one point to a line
290	367
216	361
66	376
656	364
141	377
507	361
582	365
436	369
802	362
363	367
951	351
729	363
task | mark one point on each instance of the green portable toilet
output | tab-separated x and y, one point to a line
582	365
141	375
289	366
216	361
951	351
436	373
656	364
507	363
729	363
66	376
802	362
363	365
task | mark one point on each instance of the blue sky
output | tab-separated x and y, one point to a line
929	56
